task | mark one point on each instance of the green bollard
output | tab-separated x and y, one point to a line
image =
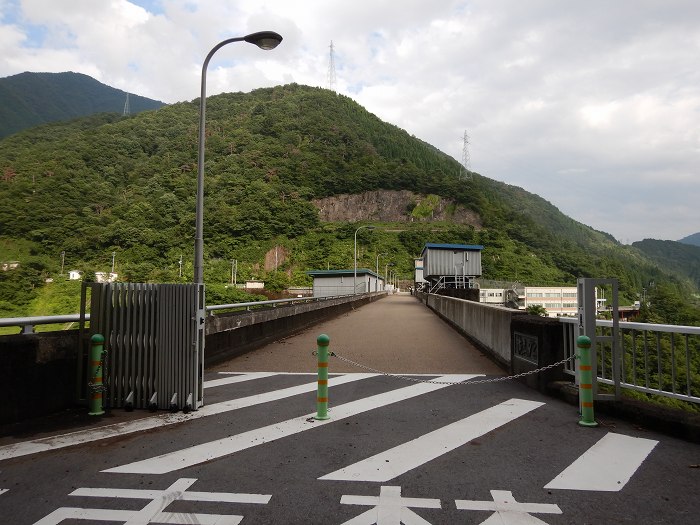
583	344
95	386
322	391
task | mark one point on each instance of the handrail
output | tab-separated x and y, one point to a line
28	323
649	327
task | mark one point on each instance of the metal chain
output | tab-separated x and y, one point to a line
94	387
465	382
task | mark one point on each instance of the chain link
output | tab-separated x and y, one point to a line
465	382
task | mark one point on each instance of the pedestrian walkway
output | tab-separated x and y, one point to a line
397	334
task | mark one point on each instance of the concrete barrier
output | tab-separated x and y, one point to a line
38	372
232	334
485	325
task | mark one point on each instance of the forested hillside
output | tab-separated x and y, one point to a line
30	99
126	185
681	258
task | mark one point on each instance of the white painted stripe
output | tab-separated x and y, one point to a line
236	379
223	447
129	427
392	463
607	466
2	491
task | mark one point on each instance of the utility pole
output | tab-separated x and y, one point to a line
114	254
234	271
180	265
63	260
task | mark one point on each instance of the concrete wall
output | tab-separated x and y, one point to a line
233	334
38	372
486	325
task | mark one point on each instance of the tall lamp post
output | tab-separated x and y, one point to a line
265	40
376	283
354	282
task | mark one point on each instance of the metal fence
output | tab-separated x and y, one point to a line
653	358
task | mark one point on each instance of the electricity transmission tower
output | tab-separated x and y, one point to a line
465	172
331	69
127	109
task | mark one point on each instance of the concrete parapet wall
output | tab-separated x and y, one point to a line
232	334
486	325
37	374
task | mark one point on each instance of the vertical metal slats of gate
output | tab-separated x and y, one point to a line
154	337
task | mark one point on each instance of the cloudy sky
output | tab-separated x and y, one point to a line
593	105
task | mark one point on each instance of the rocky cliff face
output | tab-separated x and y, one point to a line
393	206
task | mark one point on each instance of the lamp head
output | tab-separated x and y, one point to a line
265	40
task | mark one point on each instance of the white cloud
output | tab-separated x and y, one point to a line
592	105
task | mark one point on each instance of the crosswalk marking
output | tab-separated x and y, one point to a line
237	379
607	466
392	463
204	452
129	427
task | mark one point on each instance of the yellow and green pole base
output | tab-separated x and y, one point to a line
95	388
585	387
322	342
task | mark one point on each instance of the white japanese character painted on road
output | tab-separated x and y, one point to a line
507	510
154	511
390	508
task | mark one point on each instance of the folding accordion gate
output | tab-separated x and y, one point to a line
154	344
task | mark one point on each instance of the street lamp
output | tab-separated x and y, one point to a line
354	282
265	40
376	282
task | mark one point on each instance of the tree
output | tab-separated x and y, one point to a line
536	309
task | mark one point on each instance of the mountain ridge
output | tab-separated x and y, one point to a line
30	99
110	184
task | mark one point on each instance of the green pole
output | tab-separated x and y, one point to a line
322	391
585	387
95	386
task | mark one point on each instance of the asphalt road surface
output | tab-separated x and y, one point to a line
393	451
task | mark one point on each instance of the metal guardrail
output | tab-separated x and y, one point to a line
654	358
28	323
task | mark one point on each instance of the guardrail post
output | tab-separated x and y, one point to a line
95	386
322	342
585	392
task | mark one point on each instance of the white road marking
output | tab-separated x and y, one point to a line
390	508
236	379
223	447
2	491
129	427
154	512
507	510
391	463
607	466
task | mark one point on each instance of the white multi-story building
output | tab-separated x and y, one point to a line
557	300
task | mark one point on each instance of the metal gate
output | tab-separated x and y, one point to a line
154	343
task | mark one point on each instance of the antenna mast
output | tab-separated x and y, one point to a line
331	69
127	109
465	172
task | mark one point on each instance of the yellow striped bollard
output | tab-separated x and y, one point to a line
95	388
322	390
585	387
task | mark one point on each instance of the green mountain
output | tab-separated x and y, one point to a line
278	162
693	239
31	99
683	259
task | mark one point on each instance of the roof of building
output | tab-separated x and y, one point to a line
466	247
351	271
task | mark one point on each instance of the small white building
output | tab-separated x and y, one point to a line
328	283
254	285
75	275
104	277
495	296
